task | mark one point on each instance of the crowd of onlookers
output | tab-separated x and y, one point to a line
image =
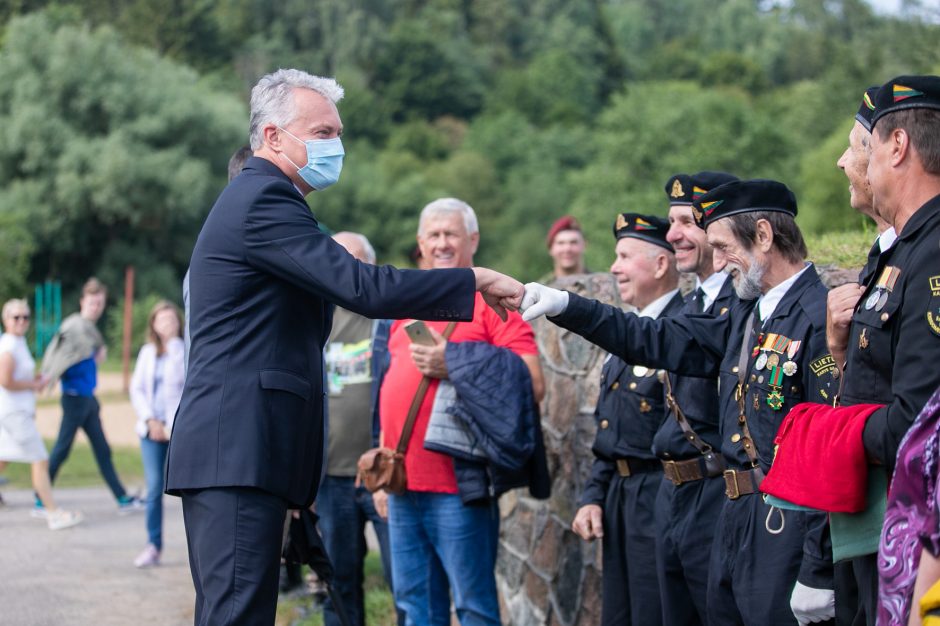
766	451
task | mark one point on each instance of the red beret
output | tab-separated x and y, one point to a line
566	222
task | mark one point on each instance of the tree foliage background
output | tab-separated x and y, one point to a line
117	118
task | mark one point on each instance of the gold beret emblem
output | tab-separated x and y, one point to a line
677	191
621	222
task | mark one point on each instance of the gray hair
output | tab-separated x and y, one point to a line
14	303
449	206
367	248
272	99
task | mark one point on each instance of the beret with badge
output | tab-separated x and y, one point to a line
648	228
743	196
684	189
906	92
566	222
867	108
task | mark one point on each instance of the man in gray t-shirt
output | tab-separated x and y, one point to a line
344	508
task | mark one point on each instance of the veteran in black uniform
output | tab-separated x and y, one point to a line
762	352
688	441
618	499
894	339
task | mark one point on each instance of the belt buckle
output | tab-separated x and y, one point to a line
731	475
671	470
623	468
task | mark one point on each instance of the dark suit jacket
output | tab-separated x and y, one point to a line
263	281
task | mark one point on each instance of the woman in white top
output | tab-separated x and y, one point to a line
155	390
19	439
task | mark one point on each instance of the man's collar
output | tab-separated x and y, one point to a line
711	286
654	308
769	301
886	238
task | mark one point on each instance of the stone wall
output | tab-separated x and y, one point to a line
545	573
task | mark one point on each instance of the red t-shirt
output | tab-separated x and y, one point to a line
427	470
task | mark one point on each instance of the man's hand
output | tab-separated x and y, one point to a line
589	522
811	606
841	303
430	359
380	501
499	291
541	300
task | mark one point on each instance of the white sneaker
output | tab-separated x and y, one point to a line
59	519
149	557
39	512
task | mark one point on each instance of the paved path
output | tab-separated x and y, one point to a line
85	575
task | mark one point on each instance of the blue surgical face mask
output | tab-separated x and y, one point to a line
324	161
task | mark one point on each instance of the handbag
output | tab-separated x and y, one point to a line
384	468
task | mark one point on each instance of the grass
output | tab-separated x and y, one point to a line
80	470
380	608
845	249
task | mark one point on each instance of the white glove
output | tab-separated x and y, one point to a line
541	300
810	605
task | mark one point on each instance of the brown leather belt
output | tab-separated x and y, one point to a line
684	471
629	467
742	482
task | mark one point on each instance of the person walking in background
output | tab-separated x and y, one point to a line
19	439
155	391
73	355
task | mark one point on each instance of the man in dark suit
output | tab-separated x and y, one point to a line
248	438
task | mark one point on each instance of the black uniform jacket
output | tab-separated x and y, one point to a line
697	397
263	280
630	409
894	346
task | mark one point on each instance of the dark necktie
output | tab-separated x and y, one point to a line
698	300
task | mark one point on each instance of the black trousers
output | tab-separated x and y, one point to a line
630	590
753	570
234	537
685	518
857	591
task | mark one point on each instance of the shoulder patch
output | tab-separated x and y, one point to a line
933	320
823	365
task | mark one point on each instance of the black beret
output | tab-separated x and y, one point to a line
646	227
685	189
743	196
907	92
867	108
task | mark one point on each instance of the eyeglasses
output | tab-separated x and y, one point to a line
20	318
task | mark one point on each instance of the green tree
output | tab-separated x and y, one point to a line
109	153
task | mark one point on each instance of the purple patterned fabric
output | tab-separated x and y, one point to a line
911	521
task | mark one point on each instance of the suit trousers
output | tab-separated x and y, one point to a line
234	535
686	517
630	590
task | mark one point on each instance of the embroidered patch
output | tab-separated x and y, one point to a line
935	285
823	365
933	320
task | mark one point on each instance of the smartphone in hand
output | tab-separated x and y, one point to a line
419	333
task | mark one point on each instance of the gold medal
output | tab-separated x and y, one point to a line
773	360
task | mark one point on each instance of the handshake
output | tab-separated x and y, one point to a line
504	293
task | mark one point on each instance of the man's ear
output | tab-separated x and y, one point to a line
475	242
272	136
764	236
